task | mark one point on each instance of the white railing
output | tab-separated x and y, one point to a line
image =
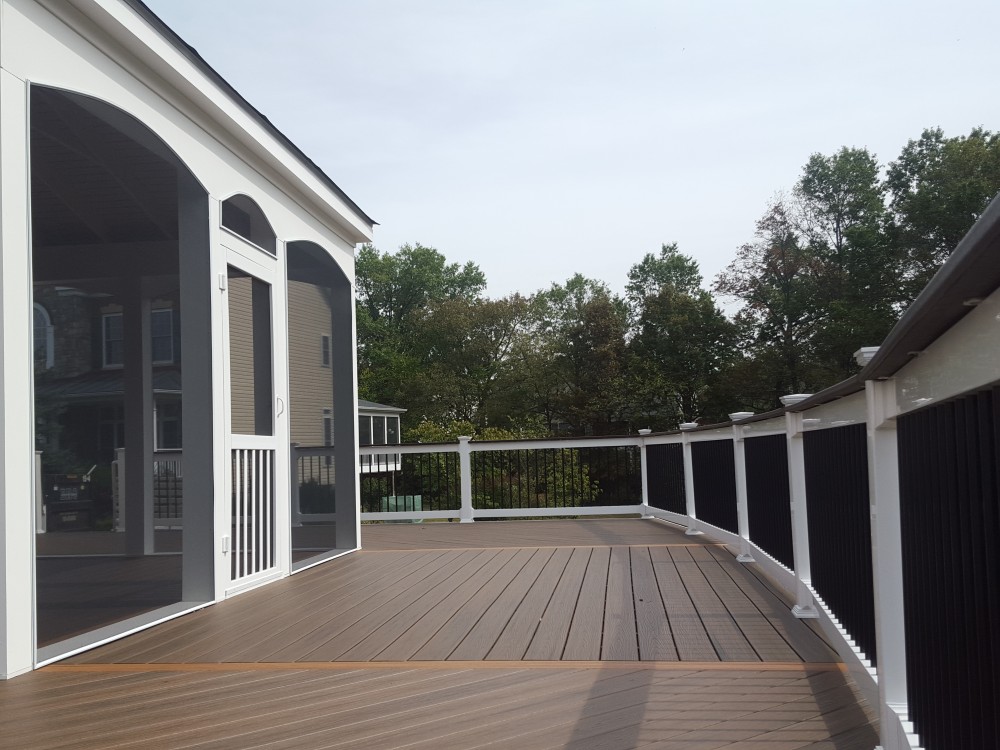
168	489
252	541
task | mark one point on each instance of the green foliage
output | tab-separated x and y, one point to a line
938	187
829	270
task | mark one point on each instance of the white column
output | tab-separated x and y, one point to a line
645	472
804	606
466	514
887	555
740	464
17	452
691	508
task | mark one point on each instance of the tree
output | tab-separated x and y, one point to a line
840	219
581	327
393	292
683	340
938	187
670	268
777	281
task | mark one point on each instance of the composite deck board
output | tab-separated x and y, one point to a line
656	642
317	631
404	645
620	642
587	628
690	637
451	634
484	634
372	634
225	638
462	603
553	627
759	631
515	638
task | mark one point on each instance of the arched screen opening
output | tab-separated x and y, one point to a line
241	215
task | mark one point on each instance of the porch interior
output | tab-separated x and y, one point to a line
596	633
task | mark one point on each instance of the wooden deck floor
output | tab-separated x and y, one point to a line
601	633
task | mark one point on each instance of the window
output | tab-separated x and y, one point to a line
392	430
168	425
378	430
162	325
114	340
364	430
44	354
325	342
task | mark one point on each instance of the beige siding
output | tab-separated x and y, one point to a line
310	383
241	355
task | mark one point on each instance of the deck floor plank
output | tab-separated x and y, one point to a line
420	645
553	627
656	641
451	634
484	634
620	641
515	639
587	627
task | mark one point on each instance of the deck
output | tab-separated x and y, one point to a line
532	634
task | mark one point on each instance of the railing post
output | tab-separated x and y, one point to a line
466	514
804	607
887	556
293	482
690	509
644	472
742	511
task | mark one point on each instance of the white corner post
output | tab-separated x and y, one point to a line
887	562
742	509
689	499
17	450
804	606
645	472
466	514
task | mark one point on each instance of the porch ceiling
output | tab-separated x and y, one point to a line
103	191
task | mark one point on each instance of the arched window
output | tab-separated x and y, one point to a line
241	215
44	349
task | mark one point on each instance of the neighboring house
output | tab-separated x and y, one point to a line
165	252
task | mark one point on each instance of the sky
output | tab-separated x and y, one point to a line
543	138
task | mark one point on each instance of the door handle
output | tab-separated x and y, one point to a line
281	406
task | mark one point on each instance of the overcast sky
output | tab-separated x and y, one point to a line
542	138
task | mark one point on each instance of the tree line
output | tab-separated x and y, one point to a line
833	263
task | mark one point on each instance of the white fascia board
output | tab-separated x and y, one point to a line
135	35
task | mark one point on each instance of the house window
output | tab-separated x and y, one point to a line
325	342
364	430
392	430
114	340
168	426
162	329
378	430
44	354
